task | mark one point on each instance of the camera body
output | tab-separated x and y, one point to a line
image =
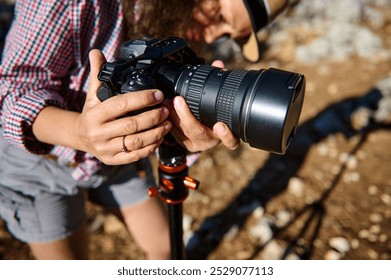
139	61
260	107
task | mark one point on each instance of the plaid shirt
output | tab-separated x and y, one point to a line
45	62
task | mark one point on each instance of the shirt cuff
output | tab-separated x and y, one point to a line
19	116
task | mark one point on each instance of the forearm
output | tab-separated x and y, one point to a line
57	126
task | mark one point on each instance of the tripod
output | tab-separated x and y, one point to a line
173	189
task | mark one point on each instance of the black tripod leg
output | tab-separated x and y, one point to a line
175	212
174	185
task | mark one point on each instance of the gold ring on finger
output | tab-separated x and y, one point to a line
124	149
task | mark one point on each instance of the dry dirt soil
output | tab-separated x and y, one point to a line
334	181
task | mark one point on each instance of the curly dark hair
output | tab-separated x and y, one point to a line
159	18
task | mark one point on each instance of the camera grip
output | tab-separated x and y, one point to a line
104	92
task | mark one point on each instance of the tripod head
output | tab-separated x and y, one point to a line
174	182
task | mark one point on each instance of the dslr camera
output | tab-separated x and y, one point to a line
260	107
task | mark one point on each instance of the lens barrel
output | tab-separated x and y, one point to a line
260	107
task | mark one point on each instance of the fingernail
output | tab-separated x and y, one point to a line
167	126
178	103
158	95
164	111
220	128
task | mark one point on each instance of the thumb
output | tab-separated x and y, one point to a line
218	63
97	59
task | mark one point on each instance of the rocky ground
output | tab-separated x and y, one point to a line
329	197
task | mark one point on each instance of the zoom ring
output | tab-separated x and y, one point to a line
226	97
195	89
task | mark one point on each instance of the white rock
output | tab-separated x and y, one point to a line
360	118
374	229
187	235
283	217
355	243
375	218
112	225
373	254
96	223
273	251
383	237
296	186
187	221
373	190
332	255
232	233
262	231
386	198
349	177
340	244
352	162
363	233
258	212
322	148
343	157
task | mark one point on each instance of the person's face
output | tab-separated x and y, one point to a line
215	18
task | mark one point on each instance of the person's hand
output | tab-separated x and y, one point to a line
215	18
114	139
191	133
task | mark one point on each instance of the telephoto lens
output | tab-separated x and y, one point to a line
260	107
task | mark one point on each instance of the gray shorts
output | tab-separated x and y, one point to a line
41	202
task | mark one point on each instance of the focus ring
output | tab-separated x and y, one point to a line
195	89
226	97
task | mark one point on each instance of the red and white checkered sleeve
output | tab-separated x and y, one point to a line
37	58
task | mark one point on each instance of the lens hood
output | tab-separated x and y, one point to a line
273	110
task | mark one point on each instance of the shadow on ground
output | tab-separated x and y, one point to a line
272	179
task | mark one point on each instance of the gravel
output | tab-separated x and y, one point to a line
340	28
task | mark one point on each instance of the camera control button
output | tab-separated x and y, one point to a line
138	81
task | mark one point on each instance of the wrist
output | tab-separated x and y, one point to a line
77	139
57	126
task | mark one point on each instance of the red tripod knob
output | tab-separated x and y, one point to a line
191	183
153	192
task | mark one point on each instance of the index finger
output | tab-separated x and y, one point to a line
122	104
